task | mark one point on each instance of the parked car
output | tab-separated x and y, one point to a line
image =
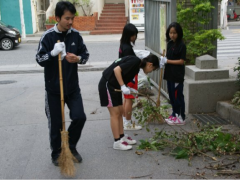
9	36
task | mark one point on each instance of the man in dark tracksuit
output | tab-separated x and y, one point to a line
73	52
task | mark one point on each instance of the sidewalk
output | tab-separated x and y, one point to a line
25	151
34	38
233	23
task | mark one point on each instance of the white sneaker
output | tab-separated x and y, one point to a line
131	126
128	139
169	118
121	145
176	121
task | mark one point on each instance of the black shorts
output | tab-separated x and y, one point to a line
108	96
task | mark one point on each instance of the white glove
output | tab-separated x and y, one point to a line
125	90
141	53
133	90
63	53
163	61
58	47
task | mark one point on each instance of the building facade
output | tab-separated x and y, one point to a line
36	12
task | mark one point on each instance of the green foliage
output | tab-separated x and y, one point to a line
50	21
150	112
236	96
237	68
86	6
186	145
236	100
193	20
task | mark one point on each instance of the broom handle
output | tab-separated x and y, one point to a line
61	89
160	82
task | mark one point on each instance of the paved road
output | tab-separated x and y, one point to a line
99	52
230	47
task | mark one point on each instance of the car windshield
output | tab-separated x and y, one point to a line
2	24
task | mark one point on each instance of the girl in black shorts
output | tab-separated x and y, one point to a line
119	73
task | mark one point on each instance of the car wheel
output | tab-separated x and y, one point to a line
6	44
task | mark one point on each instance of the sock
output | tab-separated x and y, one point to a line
121	136
124	120
127	122
116	139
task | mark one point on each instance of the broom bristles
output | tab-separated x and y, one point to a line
66	159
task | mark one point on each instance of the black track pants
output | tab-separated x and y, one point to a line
53	112
176	98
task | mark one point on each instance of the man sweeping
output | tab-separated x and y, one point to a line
73	52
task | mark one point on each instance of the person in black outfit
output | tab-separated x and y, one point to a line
174	72
127	41
119	73
47	57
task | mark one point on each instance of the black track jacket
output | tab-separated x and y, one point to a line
74	44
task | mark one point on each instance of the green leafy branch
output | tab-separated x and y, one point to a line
194	20
186	145
147	112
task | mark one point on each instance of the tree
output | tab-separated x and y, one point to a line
193	20
86	5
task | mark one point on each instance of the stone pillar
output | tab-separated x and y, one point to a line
205	84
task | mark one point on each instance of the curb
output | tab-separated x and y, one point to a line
30	41
38	70
228	112
233	23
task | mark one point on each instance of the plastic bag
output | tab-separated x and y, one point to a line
144	86
141	53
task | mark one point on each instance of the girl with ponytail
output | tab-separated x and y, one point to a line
116	76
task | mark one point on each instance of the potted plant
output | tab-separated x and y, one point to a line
49	23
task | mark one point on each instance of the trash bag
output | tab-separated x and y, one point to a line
141	53
144	85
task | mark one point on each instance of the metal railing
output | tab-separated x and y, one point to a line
156	21
159	11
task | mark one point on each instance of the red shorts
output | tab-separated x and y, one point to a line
134	85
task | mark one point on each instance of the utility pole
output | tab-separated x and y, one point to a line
22	19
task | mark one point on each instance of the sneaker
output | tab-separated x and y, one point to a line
169	118
121	145
55	161
76	155
128	139
131	126
176	121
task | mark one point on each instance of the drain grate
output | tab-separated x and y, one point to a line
7	82
211	119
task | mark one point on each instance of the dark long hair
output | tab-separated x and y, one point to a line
178	29
128	31
152	59
63	6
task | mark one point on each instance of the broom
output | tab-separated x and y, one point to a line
160	83
66	158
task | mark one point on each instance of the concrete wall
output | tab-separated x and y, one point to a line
51	8
27	10
126	8
97	7
205	84
10	14
34	17
202	96
114	1
223	16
